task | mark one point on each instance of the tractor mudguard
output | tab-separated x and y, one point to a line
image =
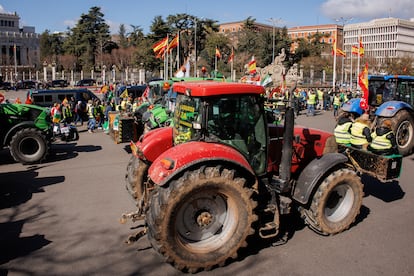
185	155
311	175
155	142
353	106
389	109
9	134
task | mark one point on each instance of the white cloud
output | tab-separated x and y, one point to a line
2	10
70	22
367	9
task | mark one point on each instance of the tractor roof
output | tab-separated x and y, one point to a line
214	88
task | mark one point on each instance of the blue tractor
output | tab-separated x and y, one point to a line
390	97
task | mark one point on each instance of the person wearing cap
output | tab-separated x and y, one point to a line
360	132
383	139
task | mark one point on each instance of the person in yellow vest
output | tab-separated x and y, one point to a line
311	103
383	140
320	99
361	132
342	131
336	104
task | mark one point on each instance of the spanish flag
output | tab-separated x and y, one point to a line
361	48
218	54
251	66
174	43
160	45
355	50
363	83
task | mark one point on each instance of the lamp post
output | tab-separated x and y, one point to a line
195	47
343	21
274	22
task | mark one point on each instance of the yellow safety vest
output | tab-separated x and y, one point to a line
320	94
91	111
336	101
357	136
342	135
380	142
311	99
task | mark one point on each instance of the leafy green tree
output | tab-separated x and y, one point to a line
51	46
135	36
86	38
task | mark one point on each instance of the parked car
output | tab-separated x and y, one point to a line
6	85
26	84
86	82
59	83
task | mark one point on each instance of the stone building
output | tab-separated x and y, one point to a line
19	47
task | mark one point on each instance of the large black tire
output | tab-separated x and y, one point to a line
336	203
135	175
201	219
29	146
403	127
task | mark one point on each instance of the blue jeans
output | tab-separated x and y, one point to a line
91	123
311	109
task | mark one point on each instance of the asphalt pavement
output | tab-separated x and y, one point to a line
61	217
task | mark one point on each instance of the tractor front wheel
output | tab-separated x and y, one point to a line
28	146
336	203
201	219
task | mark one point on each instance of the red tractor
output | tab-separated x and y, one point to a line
222	174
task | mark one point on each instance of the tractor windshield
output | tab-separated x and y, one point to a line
187	125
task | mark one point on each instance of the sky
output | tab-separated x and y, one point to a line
58	15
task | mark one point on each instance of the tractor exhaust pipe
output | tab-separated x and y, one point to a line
282	184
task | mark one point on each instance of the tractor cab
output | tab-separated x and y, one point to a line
234	117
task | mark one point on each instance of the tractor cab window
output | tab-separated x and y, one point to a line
187	125
239	122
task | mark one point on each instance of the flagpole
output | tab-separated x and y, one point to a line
350	78
359	51
178	52
334	69
215	59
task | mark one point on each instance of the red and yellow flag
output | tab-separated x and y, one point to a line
363	83
354	50
174	43
361	48
339	52
218	54
160	45
251	66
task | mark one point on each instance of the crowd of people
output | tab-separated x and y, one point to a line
313	99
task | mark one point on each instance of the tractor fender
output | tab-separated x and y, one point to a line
389	109
313	172
179	158
353	106
155	142
15	128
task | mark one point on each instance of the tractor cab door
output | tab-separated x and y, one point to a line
238	121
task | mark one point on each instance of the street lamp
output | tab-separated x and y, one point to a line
343	21
274	22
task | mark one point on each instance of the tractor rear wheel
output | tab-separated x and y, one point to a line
201	219
336	203
29	146
404	132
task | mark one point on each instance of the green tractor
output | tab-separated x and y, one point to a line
27	130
